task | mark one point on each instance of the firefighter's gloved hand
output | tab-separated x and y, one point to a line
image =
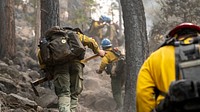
99	71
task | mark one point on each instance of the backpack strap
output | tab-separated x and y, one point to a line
168	41
78	30
67	28
73	29
158	92
116	52
177	58
178	47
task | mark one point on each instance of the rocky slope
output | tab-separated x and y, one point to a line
16	94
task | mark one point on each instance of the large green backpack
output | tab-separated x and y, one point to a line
60	45
184	92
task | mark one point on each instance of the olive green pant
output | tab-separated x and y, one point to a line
68	82
117	82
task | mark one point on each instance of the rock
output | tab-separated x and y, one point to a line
3	63
81	108
31	63
3	98
91	83
34	75
47	97
51	110
24	77
105	104
17	67
19	61
19	110
14	73
2	87
8	85
10	62
89	99
15	100
40	109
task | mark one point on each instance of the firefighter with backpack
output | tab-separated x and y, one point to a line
112	32
60	54
96	28
113	63
169	80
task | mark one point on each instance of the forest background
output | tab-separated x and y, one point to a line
19	64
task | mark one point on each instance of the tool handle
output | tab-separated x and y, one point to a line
89	58
39	81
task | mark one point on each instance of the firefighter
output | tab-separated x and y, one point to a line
112	63
158	71
112	33
95	31
68	77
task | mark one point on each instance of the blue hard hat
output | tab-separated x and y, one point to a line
106	43
105	19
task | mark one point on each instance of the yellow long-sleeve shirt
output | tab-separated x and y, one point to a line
158	71
108	58
96	29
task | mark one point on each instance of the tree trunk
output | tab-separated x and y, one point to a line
49	14
37	30
49	18
120	18
37	25
7	29
136	46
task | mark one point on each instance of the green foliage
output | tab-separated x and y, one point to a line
172	13
89	2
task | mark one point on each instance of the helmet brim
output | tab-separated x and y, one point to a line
107	45
183	26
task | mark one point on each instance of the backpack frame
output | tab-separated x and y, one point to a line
184	92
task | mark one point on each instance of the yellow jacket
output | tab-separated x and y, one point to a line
111	32
87	41
108	58
96	29
158	71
